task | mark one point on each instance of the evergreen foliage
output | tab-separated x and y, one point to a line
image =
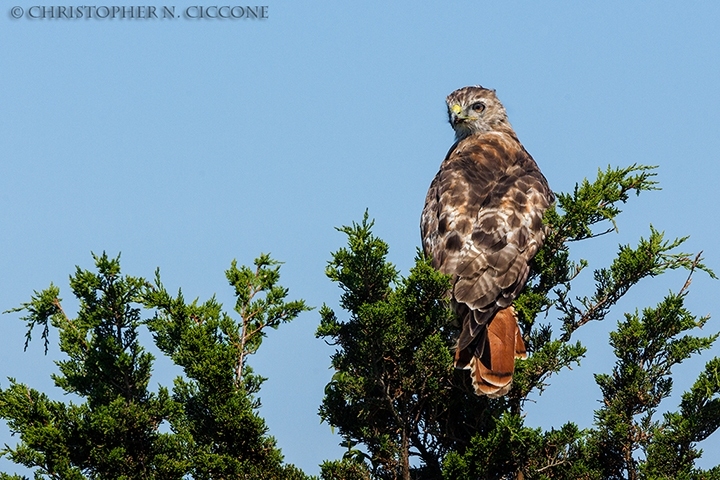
212	429
401	408
395	393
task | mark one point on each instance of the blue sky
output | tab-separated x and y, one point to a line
187	143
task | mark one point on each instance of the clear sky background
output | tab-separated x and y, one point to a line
187	143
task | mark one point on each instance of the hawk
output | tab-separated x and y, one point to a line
482	224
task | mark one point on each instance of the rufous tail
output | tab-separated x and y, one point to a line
492	364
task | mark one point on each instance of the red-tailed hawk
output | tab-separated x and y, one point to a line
482	224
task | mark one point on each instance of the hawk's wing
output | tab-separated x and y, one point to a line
482	223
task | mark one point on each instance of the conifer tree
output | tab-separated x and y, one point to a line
212	428
407	414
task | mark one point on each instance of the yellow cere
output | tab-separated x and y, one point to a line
456	109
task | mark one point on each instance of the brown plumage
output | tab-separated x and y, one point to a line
482	224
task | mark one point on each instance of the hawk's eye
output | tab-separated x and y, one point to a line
478	107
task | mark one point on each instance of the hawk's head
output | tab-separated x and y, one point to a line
475	110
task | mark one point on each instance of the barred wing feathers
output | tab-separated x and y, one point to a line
482	224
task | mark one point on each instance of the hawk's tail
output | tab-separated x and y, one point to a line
492	363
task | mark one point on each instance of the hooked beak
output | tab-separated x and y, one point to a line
455	115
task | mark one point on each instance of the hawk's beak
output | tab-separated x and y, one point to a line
455	114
